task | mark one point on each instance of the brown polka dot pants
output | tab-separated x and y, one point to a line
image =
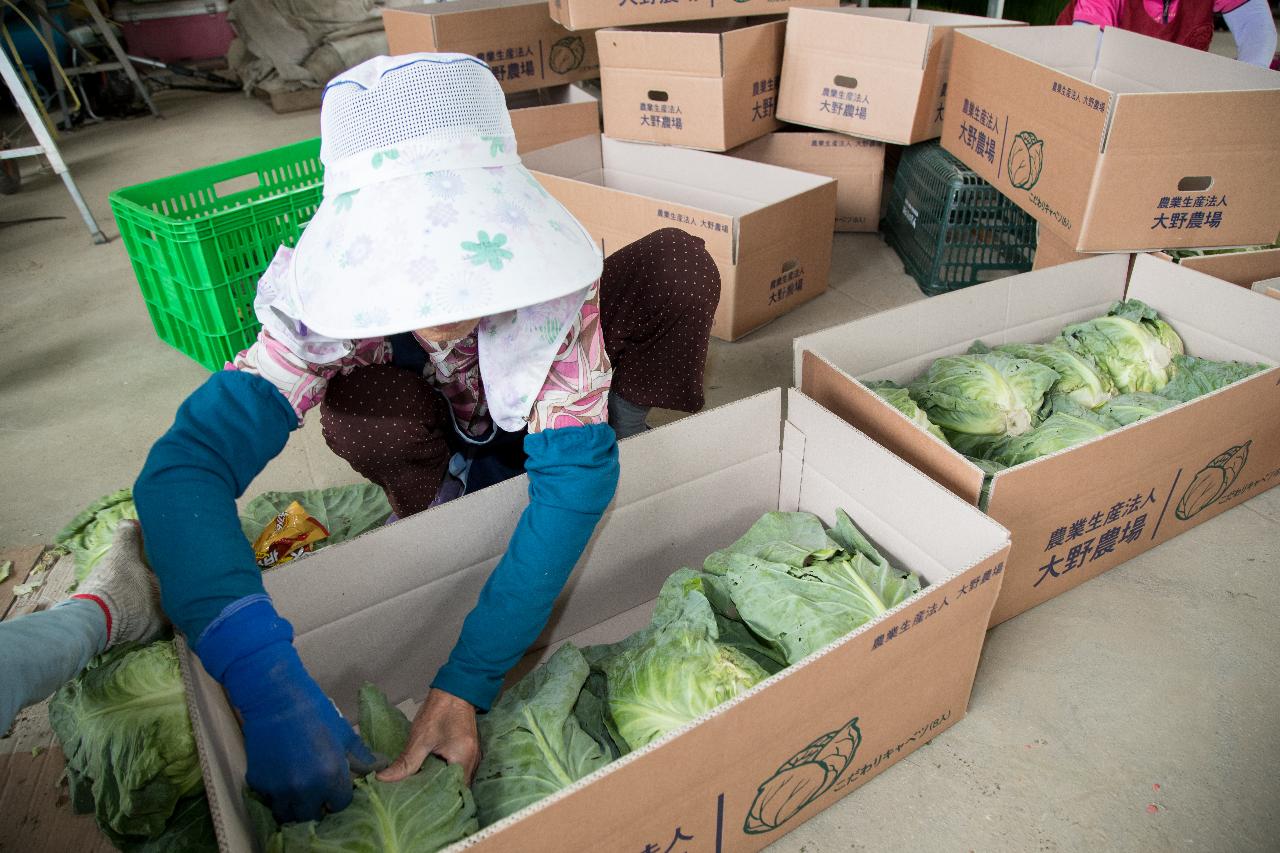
658	297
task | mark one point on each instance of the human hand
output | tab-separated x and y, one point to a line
445	726
300	750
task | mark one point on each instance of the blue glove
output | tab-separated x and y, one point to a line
300	749
573	472
223	435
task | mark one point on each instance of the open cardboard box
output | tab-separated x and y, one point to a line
708	84
523	46
387	607
1116	142
545	117
591	14
1142	480
857	165
767	228
875	73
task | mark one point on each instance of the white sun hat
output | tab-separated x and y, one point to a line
428	217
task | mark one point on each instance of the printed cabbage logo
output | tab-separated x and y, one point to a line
1026	159
803	778
567	54
1213	481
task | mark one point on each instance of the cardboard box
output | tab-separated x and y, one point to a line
886	688
709	85
1107	137
1062	510
766	227
857	165
1051	251
875	73
525	48
593	14
548	117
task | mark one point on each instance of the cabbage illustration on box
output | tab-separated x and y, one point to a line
1026	160
1212	481
803	778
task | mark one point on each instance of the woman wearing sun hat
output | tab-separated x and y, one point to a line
446	314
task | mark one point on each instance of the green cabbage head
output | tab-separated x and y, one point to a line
984	393
674	671
131	754
1133	349
1078	376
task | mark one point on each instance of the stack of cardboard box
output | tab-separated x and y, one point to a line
682	83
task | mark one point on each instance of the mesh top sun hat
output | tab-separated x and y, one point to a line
428	217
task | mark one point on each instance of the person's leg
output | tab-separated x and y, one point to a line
44	650
658	297
389	424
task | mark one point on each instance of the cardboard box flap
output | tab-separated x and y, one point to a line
841	394
1242	268
1070	50
1226	121
722	189
1242	326
549	97
664	50
1128	62
859	39
748	47
699	454
886	499
764	229
1030	307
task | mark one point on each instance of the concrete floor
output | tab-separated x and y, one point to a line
1154	685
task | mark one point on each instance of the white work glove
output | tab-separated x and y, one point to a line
125	588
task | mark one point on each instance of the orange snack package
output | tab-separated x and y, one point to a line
288	536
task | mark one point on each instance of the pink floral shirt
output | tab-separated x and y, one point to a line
575	393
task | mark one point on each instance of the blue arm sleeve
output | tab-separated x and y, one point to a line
573	472
1254	30
223	435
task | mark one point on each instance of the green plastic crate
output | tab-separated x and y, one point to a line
199	242
951	228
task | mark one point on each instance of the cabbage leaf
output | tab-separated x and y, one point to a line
345	511
423	813
1128	408
898	397
1194	377
131	754
89	535
797	610
532	742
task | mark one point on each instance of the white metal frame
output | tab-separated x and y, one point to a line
45	144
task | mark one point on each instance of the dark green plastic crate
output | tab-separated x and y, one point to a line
951	228
199	242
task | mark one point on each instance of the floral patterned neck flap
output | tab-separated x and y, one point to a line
428	218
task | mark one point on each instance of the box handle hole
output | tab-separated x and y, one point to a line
232	186
658	95
845	82
1195	184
